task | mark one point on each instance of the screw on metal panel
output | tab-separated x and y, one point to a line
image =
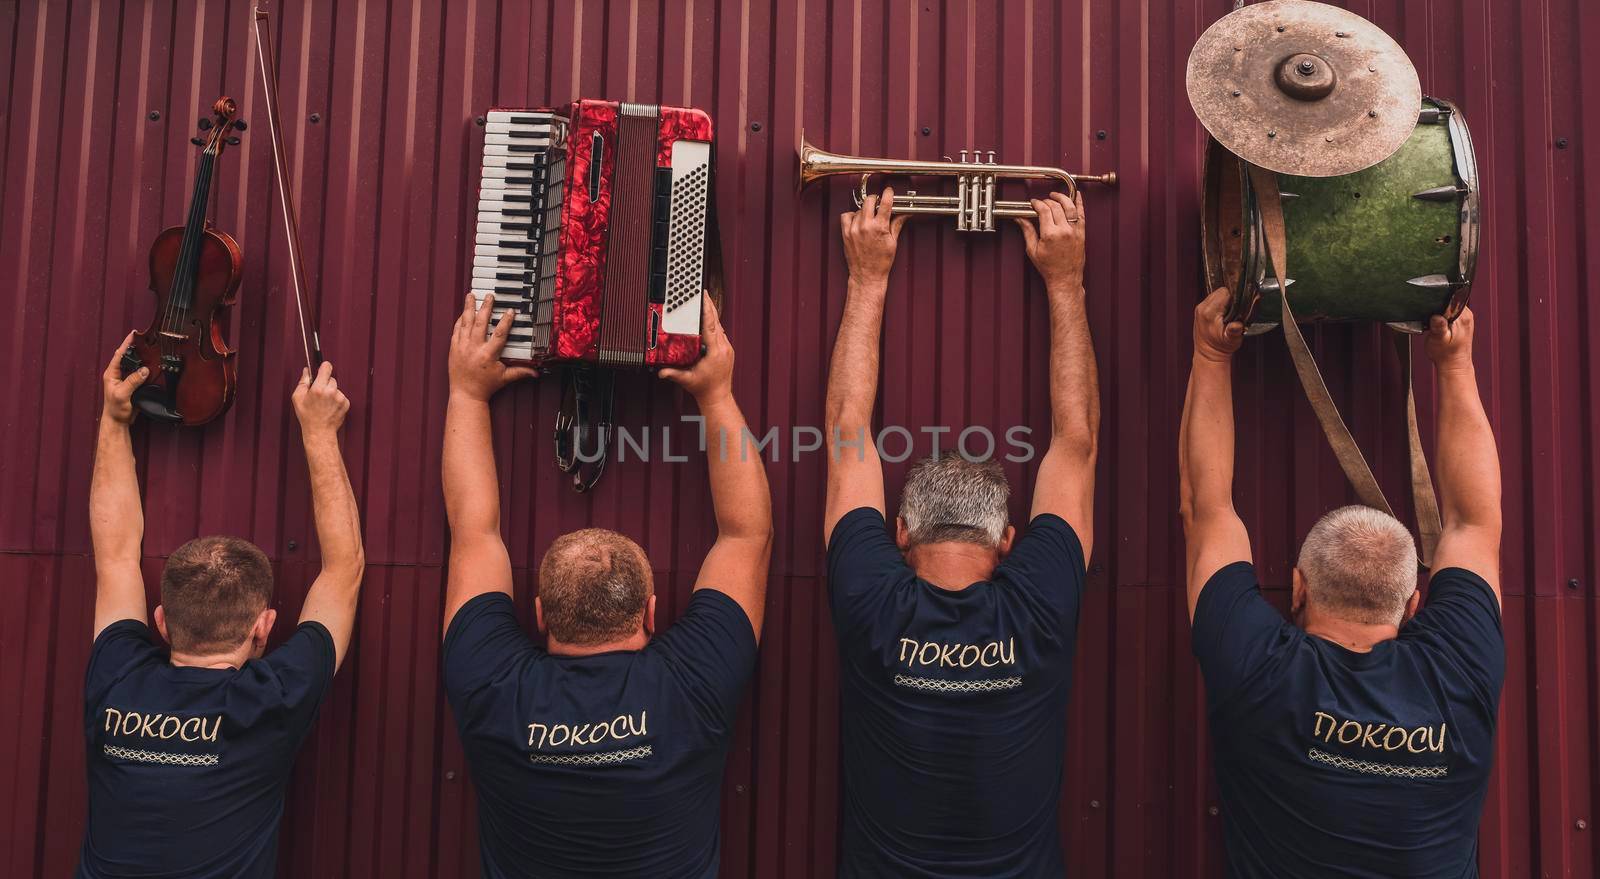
1372	68
1281	28
450	775
1573	583
1101	134
481	121
1372	114
1212	811
1582	824
755	126
1561	143
1094	804
315	118
1328	139
926	131
1237	93
155	116
738	788
1340	34
1272	134
293	546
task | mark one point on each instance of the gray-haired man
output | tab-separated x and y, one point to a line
1355	741
956	639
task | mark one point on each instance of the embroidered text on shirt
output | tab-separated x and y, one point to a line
1378	736
621	727
914	653
162	726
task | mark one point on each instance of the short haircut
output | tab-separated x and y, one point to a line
1360	565
212	590
593	585
950	498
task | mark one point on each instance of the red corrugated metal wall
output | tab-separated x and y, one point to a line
380	98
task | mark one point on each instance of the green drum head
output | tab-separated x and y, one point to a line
1394	243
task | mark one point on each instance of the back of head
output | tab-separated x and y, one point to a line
949	498
593	587
1360	565
212	591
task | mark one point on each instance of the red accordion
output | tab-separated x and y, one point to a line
594	221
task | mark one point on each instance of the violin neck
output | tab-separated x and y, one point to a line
189	253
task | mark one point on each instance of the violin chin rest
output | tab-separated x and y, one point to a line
156	403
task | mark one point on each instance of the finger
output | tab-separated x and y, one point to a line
518	373
1068	209
136	378
324	374
710	318
480	320
1057	210
468	307
894	226
1077	204
886	206
1234	330
502	327
672	375
305	376
869	206
1030	236
844	222
114	368
1213	306
1438	326
1046	217
331	385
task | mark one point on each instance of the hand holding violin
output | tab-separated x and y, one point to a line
116	390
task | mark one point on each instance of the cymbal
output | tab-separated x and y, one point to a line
1303	88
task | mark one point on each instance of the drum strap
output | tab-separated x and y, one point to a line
1354	464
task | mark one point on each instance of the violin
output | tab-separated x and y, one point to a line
194	272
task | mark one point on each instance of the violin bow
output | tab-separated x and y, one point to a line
280	164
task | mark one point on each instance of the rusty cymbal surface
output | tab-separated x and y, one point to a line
1303	88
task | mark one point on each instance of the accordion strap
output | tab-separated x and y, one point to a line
1264	185
577	433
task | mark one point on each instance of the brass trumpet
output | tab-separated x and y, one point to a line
974	205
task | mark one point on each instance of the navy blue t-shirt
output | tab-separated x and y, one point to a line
188	766
953	705
602	765
1337	763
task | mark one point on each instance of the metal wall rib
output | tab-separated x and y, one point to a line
385	178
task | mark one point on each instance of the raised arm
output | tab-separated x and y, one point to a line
333	596
1065	482
855	475
116	516
479	562
1468	463
737	562
1215	535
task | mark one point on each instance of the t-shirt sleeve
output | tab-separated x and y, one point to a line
862	561
1462	617
119	648
1047	565
711	651
1235	629
302	668
482	642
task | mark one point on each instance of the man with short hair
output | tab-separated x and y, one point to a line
189	749
955	638
600	754
1357	740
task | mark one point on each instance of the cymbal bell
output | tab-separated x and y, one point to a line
1303	88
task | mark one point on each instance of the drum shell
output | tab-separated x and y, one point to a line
1362	246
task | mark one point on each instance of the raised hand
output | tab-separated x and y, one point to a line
1213	339
116	391
871	235
1056	246
318	402
711	377
476	371
1449	343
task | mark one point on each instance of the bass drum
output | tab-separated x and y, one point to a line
1396	242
